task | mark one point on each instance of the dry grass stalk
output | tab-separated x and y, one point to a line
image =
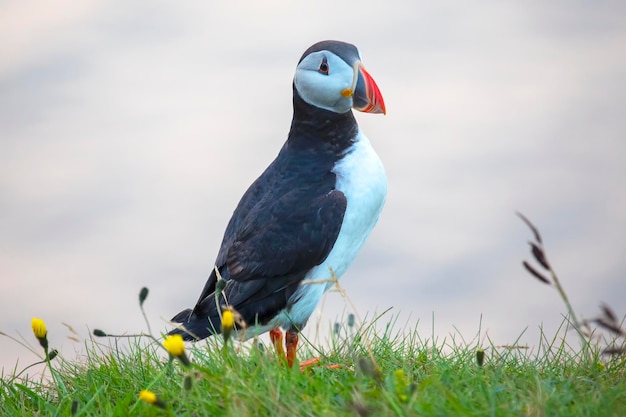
609	319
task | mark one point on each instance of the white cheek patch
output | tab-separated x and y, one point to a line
322	90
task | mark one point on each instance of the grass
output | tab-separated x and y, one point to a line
380	373
407	376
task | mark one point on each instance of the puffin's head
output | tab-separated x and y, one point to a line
330	75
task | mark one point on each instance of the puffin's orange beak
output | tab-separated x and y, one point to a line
365	93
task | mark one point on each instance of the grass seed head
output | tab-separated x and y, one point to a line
609	313
536	273
539	255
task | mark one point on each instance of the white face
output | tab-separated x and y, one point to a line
320	79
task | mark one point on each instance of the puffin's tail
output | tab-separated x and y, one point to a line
195	327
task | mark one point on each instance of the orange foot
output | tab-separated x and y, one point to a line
309	363
291	343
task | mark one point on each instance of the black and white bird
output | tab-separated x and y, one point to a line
309	212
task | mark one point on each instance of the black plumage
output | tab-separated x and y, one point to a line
289	220
285	224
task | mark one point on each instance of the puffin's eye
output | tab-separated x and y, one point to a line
324	66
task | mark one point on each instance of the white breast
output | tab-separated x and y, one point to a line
361	177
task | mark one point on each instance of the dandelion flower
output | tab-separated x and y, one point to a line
228	320
40	331
228	323
148	396
176	347
151	398
39	328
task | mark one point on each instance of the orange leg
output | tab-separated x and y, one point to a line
276	336
291	341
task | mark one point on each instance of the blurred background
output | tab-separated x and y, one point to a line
129	131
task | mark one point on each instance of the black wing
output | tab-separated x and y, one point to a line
272	249
290	235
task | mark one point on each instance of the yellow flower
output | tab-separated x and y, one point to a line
148	396
39	328
228	323
151	398
41	333
174	345
228	320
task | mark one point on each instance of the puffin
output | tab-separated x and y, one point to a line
305	218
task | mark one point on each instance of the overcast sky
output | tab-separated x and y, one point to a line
129	130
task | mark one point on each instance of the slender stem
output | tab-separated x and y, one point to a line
146	319
570	309
55	376
25	369
343	293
